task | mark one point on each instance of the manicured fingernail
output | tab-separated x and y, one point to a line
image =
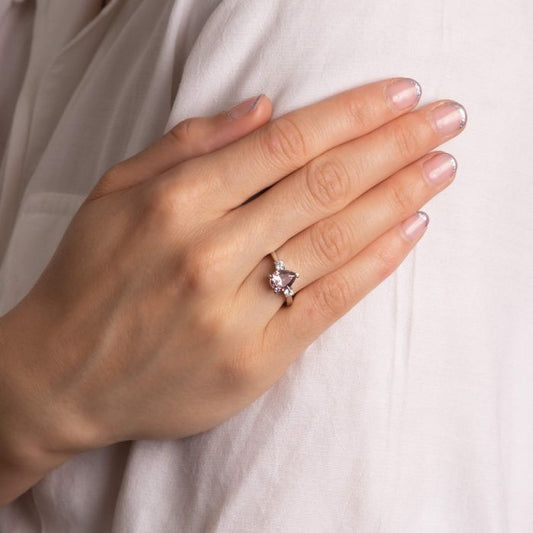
403	93
244	108
440	168
449	117
415	225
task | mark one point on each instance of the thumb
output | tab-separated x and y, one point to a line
190	138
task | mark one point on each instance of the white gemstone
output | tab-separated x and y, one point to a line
288	292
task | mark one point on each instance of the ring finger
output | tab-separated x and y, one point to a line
333	241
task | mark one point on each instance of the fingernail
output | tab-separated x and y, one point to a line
440	168
244	108
415	225
403	93
449	117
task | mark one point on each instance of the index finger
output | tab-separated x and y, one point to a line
255	162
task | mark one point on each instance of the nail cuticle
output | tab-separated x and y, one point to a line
254	105
243	108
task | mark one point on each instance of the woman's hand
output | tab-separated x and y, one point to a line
155	319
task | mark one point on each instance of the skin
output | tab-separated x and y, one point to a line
155	320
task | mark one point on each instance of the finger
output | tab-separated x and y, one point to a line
335	240
322	303
330	182
188	139
251	164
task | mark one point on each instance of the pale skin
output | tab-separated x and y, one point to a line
155	319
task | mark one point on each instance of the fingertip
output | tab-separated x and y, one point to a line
263	108
415	226
227	126
243	109
258	116
242	119
255	109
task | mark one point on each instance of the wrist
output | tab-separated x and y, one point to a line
29	448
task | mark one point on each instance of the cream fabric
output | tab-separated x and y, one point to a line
411	414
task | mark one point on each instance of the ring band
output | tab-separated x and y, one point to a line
281	279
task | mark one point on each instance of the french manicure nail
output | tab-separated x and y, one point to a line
449	117
415	225
244	108
403	93
440	168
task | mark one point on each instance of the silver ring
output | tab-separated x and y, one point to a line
281	279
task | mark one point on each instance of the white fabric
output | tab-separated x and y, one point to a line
411	414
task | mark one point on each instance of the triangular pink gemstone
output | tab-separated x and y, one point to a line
281	279
287	277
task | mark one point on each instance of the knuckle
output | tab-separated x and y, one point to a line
401	197
183	132
106	183
333	298
327	184
361	116
113	173
210	325
241	370
330	241
167	202
407	140
203	269
386	258
284	142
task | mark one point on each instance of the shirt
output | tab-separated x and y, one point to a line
412	413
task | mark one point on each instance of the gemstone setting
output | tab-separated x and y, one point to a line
282	279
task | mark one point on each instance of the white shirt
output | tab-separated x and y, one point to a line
412	413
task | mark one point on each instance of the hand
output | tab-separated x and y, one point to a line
154	319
